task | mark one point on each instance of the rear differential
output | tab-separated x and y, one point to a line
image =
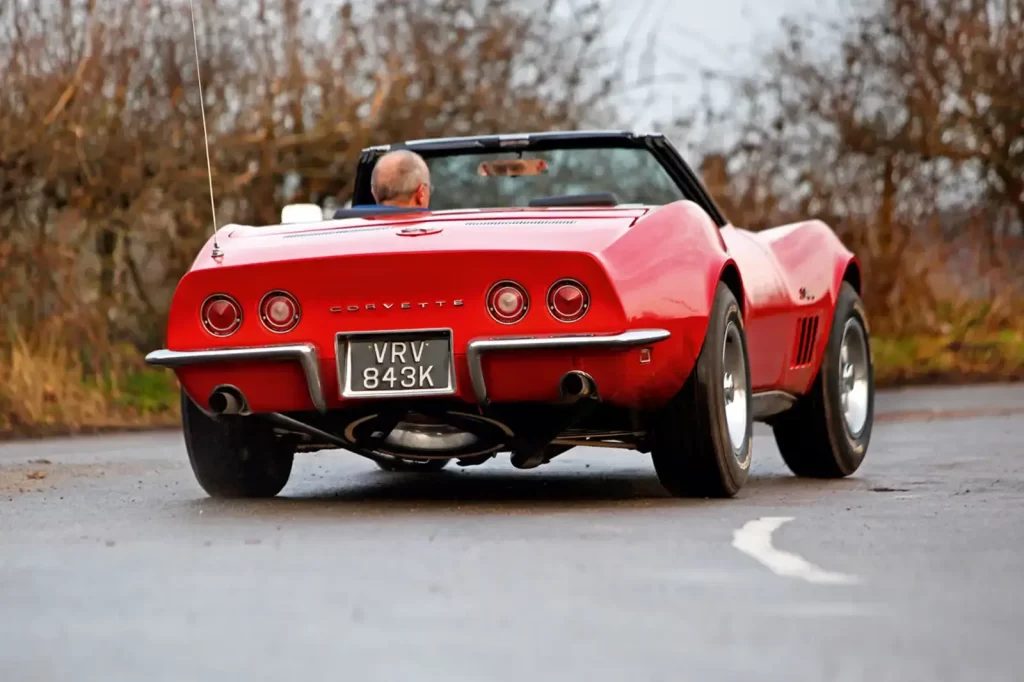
443	435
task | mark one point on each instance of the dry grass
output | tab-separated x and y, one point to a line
47	388
976	357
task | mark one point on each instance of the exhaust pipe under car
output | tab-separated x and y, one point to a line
576	385
227	400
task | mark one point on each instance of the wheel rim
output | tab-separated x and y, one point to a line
734	385
854	387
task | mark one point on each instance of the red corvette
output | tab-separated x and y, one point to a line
563	290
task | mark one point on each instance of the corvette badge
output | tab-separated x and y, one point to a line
457	303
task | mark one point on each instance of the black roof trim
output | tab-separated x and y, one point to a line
510	140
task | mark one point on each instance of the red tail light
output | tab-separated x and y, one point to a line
568	300
279	312
508	302
221	315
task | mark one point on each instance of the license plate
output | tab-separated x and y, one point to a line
384	365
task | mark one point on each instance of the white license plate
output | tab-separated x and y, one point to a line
400	364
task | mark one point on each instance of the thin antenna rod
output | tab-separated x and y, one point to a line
217	253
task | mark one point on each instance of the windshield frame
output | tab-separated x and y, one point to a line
656	144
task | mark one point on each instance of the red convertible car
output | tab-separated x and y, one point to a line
564	289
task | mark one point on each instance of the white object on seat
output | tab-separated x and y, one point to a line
301	213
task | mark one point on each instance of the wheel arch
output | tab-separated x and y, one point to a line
852	274
730	275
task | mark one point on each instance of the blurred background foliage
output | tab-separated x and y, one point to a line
899	122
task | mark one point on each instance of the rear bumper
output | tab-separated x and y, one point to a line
305	355
476	348
302	353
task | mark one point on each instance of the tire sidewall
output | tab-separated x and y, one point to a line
232	460
734	464
849	450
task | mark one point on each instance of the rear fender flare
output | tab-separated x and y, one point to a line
667	267
848	269
672	249
727	271
730	274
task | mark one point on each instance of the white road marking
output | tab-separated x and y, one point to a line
755	539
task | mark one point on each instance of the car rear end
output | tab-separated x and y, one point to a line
406	326
469	316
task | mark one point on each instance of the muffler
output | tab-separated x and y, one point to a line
576	385
227	400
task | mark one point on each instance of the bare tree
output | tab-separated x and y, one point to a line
103	192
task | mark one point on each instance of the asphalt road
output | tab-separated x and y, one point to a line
114	565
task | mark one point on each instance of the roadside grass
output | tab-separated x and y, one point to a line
955	358
48	389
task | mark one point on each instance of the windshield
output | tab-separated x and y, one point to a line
633	175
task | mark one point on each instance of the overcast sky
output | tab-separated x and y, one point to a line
694	34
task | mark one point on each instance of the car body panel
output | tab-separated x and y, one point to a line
646	268
792	274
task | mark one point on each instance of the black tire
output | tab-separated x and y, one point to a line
429	466
691	445
814	436
234	457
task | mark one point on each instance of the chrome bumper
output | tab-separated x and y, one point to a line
303	353
477	347
306	355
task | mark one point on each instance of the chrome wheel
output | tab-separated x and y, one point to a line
854	365
734	385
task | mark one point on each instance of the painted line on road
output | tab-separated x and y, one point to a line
755	540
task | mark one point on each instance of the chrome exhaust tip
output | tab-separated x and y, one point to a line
576	385
227	400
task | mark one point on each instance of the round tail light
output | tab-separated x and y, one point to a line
221	315
507	302
568	300
279	312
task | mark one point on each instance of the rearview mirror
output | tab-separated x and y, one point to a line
301	213
511	168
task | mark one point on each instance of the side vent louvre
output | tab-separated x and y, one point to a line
805	341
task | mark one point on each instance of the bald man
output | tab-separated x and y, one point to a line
401	178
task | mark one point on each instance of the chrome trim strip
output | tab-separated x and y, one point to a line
477	347
303	353
770	403
343	363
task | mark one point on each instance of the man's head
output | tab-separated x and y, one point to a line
401	178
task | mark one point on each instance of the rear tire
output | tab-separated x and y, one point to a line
826	434
234	457
701	441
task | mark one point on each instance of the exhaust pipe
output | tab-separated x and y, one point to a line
292	424
227	400
576	385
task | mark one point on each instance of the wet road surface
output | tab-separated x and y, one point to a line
115	566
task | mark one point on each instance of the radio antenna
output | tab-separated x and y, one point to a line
217	253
